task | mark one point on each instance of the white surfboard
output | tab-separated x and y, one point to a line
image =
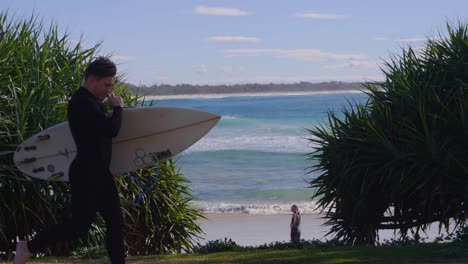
148	134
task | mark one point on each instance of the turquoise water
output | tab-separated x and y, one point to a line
254	160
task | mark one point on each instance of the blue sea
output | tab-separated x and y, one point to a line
255	160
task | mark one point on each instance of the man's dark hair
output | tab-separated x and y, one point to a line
101	67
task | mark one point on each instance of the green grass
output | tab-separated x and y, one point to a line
424	253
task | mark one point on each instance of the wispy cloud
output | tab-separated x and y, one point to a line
351	64
321	16
233	39
220	11
231	70
299	54
122	58
378	38
289	79
412	40
200	69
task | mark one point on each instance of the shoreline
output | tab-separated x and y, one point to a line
225	95
257	229
254	230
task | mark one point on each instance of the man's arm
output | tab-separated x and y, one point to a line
89	116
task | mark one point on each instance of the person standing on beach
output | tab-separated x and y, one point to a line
295	223
91	183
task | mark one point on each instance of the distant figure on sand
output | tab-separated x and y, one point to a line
295	223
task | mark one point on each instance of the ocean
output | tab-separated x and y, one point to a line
254	161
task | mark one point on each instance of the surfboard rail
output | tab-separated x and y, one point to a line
147	135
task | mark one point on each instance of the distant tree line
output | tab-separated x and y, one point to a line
179	89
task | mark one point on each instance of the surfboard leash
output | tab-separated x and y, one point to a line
140	186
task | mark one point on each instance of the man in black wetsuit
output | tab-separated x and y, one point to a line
92	185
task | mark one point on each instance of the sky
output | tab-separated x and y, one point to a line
247	41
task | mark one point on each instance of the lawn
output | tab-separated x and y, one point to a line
422	253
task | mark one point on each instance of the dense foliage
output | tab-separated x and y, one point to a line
399	161
38	71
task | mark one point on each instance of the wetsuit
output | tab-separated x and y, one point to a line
92	185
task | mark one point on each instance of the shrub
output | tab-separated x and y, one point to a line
40	68
399	160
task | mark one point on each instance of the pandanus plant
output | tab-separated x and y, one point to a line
399	161
39	69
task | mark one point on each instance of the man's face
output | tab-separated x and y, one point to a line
102	86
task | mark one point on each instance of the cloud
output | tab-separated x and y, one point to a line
220	11
122	58
201	69
299	54
320	16
233	39
412	40
289	79
232	70
378	38
352	64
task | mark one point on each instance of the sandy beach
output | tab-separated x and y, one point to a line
253	230
250	230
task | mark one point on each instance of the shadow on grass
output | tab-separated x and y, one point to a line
422	253
361	254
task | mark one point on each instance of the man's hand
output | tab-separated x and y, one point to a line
115	100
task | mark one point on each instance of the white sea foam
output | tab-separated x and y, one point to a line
230	117
272	143
256	162
260	208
